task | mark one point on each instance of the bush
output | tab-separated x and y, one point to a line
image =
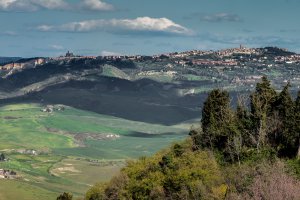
175	173
65	196
265	181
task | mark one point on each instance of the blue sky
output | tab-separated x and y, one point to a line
100	27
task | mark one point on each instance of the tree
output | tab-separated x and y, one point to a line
2	157
261	102
297	124
220	129
285	135
244	121
65	196
271	126
97	192
215	118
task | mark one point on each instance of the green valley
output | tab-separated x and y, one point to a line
70	149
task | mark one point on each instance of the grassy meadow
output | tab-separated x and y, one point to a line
70	156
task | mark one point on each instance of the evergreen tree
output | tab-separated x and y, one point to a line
215	118
284	136
220	130
261	102
2	157
271	126
297	124
244	122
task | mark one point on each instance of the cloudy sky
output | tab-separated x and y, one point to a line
103	27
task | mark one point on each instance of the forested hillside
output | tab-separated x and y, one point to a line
250	152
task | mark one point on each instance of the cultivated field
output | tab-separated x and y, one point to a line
70	149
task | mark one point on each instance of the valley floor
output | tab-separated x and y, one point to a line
58	148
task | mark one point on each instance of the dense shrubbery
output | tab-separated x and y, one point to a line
247	144
176	173
262	180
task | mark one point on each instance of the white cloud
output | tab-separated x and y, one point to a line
17	5
45	28
9	33
140	24
51	4
109	53
56	47
34	5
221	17
95	5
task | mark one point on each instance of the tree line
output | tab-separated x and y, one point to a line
265	122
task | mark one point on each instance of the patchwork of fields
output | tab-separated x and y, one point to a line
71	149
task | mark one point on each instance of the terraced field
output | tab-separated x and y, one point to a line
71	149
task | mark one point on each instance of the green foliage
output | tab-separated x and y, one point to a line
244	122
215	117
178	150
271	125
52	136
294	167
246	142
284	133
96	192
220	127
261	102
297	124
175	173
2	157
65	196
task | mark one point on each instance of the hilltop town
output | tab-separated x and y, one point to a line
226	57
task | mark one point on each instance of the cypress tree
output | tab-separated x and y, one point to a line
215	118
244	123
284	137
297	125
261	102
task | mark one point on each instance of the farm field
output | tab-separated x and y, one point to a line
69	149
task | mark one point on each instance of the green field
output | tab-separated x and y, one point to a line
71	157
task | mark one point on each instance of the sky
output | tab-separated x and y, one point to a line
31	28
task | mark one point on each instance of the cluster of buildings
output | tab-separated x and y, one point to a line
238	51
288	59
229	62
52	108
116	57
189	53
28	152
112	136
69	56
